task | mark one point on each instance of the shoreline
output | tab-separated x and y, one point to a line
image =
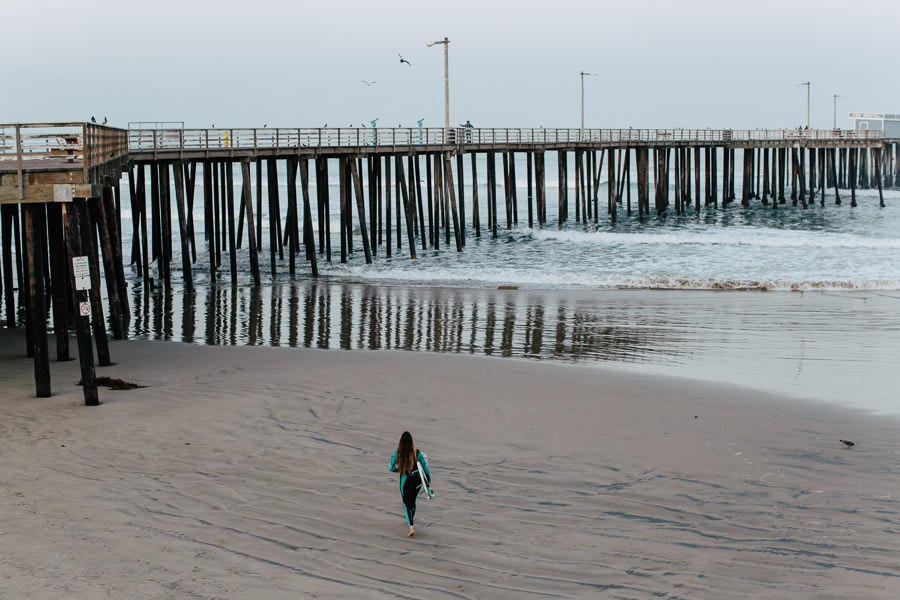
262	472
833	346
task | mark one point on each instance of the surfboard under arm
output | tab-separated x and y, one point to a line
428	491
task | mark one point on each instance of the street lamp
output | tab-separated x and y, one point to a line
446	44
835	111
806	83
582	94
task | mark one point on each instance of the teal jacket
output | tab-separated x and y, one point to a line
420	456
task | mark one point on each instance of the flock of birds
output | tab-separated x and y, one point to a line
403	61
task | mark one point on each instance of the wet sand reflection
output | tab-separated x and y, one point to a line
508	323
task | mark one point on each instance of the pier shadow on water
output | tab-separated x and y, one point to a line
544	324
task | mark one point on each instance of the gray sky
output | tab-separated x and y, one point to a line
687	63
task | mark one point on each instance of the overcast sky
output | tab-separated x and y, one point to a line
660	63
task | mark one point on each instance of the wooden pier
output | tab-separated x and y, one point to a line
60	197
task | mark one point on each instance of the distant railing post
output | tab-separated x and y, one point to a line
19	163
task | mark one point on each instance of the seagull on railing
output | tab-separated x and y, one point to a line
104	120
403	60
93	119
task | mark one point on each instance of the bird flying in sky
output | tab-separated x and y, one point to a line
403	60
369	82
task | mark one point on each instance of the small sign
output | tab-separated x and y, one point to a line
82	271
84	309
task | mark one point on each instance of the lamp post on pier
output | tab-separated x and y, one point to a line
582	95
806	83
834	125
446	44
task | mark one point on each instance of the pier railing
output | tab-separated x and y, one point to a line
61	145
89	145
194	140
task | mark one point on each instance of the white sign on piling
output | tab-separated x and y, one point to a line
82	270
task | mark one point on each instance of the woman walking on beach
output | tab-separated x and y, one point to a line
404	461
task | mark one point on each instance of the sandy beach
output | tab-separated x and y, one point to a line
258	472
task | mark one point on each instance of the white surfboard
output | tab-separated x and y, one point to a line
428	491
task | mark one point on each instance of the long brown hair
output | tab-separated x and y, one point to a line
406	454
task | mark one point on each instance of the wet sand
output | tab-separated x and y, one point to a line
258	472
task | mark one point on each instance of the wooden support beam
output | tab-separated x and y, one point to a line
529	160
6	215
697	179
563	176
580	201
373	205
513	192
59	277
33	229
308	235
835	175
343	179
627	152
876	152
183	233
540	184
401	185
82	322
290	227
643	180
190	175
433	238
388	224
101	221
361	211
323	194
460	179
89	249
142	203
165	210
135	221
248	207
274	217
259	203
210	193
611	205
747	177
229	220
476	218
448	178
416	199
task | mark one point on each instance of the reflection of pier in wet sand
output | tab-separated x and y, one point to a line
356	317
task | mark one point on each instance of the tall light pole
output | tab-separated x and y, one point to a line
834	126
806	83
582	94
446	44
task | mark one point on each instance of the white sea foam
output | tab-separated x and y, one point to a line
494	277
734	236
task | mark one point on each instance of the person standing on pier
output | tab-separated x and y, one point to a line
406	460
468	127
